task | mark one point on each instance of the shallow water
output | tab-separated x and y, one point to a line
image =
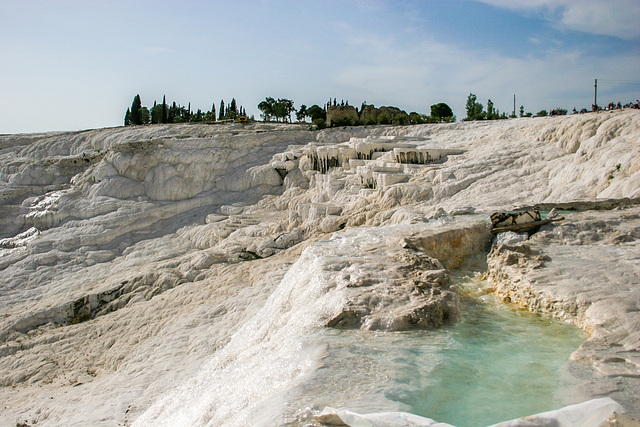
496	364
283	366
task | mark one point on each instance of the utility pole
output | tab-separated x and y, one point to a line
595	95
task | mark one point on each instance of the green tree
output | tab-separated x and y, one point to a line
490	112
280	109
233	109
301	113
145	117
221	111
164	110
197	117
319	123
284	109
522	111
268	109
441	112
135	115
154	119
156	113
315	112
417	118
474	108
127	117
172	112
401	118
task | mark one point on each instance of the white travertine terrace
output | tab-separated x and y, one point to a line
138	262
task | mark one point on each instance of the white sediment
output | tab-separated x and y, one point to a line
144	270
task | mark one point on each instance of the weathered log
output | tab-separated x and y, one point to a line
526	226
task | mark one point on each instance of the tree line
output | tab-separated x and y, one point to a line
334	113
475	111
165	112
331	113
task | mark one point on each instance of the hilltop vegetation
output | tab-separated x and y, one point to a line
330	114
137	114
282	110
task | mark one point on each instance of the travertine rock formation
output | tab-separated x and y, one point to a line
131	258
584	271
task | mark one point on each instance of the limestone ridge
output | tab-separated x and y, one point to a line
122	275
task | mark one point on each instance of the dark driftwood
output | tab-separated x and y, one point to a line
526	226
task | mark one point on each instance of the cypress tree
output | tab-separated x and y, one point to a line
154	112
127	117
221	116
233	109
164	109
136	115
173	112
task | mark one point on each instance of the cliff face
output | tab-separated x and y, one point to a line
130	252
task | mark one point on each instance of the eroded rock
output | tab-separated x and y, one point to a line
410	291
581	272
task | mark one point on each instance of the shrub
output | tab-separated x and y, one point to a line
384	119
342	121
401	119
319	123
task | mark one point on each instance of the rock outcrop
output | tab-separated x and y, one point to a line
584	270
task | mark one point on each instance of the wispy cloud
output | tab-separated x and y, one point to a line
409	53
604	17
419	75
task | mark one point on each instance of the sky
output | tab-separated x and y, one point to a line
77	64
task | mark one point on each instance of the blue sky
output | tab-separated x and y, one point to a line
77	64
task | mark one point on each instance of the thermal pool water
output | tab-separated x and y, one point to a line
498	363
283	366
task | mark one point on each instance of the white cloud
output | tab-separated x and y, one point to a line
618	19
417	76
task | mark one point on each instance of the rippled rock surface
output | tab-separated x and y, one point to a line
135	261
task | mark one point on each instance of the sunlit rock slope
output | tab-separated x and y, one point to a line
131	256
